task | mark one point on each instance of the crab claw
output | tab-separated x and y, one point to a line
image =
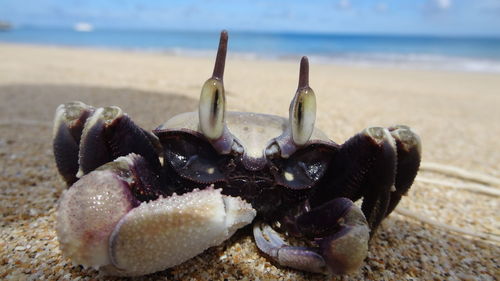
166	232
102	224
338	228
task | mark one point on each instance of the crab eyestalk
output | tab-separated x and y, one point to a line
303	107
212	107
302	115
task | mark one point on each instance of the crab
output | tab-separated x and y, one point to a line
139	202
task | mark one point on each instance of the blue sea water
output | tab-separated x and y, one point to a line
452	53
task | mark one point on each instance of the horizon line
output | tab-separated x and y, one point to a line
265	32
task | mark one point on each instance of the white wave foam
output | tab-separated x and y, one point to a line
419	61
408	61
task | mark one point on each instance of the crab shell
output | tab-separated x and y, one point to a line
101	225
255	133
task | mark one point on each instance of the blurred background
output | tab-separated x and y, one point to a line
452	34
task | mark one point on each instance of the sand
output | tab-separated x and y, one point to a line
456	114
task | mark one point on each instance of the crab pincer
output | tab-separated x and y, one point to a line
102	224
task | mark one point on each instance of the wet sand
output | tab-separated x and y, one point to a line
456	114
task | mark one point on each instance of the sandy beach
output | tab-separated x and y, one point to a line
456	114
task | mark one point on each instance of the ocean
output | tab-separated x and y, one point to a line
427	52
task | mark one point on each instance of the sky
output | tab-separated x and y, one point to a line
420	17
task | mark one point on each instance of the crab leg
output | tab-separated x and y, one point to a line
377	164
68	126
86	138
302	258
409	150
110	133
364	166
379	180
339	230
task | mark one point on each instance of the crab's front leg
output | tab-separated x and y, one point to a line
119	217
101	222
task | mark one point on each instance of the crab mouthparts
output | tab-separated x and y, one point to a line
254	164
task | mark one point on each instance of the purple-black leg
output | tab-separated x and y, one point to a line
377	164
364	166
301	258
107	134
68	126
339	232
380	178
409	149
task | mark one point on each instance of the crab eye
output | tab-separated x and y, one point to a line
303	107
212	109
212	100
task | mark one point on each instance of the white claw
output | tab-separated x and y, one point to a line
168	231
98	227
87	214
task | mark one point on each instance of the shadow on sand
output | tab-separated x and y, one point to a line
38	102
